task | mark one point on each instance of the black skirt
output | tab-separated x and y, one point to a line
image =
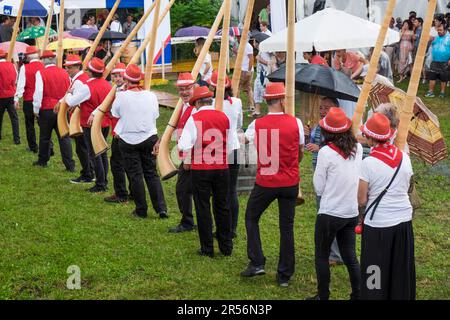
387	263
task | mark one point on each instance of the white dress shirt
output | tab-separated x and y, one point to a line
137	112
189	136
336	182
250	132
21	82
39	91
81	93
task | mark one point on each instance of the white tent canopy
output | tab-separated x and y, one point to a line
330	29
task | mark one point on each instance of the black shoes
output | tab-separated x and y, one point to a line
180	228
316	297
252	271
282	282
39	164
32	150
163	215
115	199
205	254
70	169
135	214
81	180
17	142
96	189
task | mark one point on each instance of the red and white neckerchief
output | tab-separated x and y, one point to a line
338	150
388	153
229	100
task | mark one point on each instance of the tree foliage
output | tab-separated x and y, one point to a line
186	13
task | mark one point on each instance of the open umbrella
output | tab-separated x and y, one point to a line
18	46
259	36
70	44
33	33
31	8
321	80
109	35
425	138
84	33
330	29
194	31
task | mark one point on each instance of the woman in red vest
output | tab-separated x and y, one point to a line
279	141
25	88
387	245
185	86
51	85
8	75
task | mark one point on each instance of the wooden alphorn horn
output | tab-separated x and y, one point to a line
48	25
222	68
165	164
406	113
74	126
290	74
151	49
60	51
15	31
367	85
99	143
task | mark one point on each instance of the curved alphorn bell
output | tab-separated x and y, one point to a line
166	167
99	143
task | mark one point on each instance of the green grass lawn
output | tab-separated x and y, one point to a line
48	224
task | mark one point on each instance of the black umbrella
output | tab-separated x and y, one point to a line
259	36
319	79
109	35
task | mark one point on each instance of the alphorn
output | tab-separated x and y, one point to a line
63	123
290	75
60	51
74	126
241	51
151	49
15	31
406	113
222	69
364	95
48	25
144	44
166	167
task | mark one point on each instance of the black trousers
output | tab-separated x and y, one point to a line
327	229
140	164
207	183
118	170
87	166
100	162
29	125
233	196
7	104
184	196
259	200
47	124
391	251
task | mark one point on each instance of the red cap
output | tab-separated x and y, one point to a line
31	50
2	53
201	93
119	68
185	79
96	65
133	73
72	60
215	78
335	121
48	54
275	90
378	127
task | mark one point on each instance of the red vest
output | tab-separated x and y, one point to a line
180	126
8	77
83	77
30	78
56	81
99	89
210	149
277	132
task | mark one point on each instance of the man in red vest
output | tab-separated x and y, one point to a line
73	65
185	86
51	85
205	133
279	141
88	97
25	89
8	76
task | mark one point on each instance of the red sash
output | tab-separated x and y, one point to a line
387	153
338	150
